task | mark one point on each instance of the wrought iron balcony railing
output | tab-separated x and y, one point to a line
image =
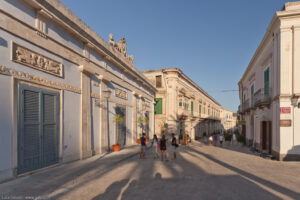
262	96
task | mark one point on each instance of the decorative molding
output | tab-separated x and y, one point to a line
122	103
35	60
121	94
95	95
38	80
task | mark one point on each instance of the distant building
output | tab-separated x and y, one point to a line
181	105
57	77
228	120
269	90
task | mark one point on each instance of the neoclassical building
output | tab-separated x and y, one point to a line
228	120
61	88
269	90
181	105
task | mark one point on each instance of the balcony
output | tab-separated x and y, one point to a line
246	106
262	97
183	113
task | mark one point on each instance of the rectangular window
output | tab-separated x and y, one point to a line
252	94
199	109
266	81
192	107
180	103
158	81
158	106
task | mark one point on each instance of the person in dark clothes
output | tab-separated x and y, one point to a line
143	146
174	145
163	148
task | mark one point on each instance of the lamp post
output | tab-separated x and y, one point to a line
106	95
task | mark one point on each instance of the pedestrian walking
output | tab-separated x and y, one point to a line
163	148
215	137
155	147
210	140
221	139
143	146
174	145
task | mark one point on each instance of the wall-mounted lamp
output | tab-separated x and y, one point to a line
294	101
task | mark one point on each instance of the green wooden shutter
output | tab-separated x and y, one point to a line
266	82
252	94
180	103
158	106
192	107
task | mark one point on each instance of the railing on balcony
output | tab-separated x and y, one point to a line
246	105
262	96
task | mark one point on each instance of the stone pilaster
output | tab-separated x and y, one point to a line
85	128
134	120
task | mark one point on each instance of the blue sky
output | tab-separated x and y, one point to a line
212	42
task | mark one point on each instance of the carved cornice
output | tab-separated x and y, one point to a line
95	95
120	102
38	80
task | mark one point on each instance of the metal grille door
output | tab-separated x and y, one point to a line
38	128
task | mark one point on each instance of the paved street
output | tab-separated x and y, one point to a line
200	172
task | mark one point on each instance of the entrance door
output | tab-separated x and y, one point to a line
38	128
265	136
121	127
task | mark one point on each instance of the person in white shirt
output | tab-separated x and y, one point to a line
221	139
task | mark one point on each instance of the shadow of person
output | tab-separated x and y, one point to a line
113	191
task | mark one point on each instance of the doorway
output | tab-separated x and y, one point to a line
265	137
38	128
121	126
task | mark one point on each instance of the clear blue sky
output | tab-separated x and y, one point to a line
212	42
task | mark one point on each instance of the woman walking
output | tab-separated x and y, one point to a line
163	148
155	147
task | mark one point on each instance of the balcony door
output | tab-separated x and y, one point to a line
265	136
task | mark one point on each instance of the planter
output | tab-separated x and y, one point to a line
240	144
147	140
227	143
139	141
116	147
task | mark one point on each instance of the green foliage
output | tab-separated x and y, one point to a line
228	137
118	118
241	138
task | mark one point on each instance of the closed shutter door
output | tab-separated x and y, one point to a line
38	128
50	129
29	140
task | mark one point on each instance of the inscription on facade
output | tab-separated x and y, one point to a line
121	93
35	60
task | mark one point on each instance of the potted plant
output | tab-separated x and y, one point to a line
117	119
141	120
228	138
241	140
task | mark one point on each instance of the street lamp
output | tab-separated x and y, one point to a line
106	95
294	101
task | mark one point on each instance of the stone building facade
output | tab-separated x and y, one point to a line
181	105
269	90
228	120
61	88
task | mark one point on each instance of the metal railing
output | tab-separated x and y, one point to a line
262	96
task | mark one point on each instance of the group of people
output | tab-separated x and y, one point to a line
159	144
213	139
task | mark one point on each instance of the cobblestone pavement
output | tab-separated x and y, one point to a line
200	172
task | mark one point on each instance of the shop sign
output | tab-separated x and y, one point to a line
285	110
285	123
241	122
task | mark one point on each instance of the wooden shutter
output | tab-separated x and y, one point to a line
29	157
266	81
38	128
50	129
158	106
192	107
